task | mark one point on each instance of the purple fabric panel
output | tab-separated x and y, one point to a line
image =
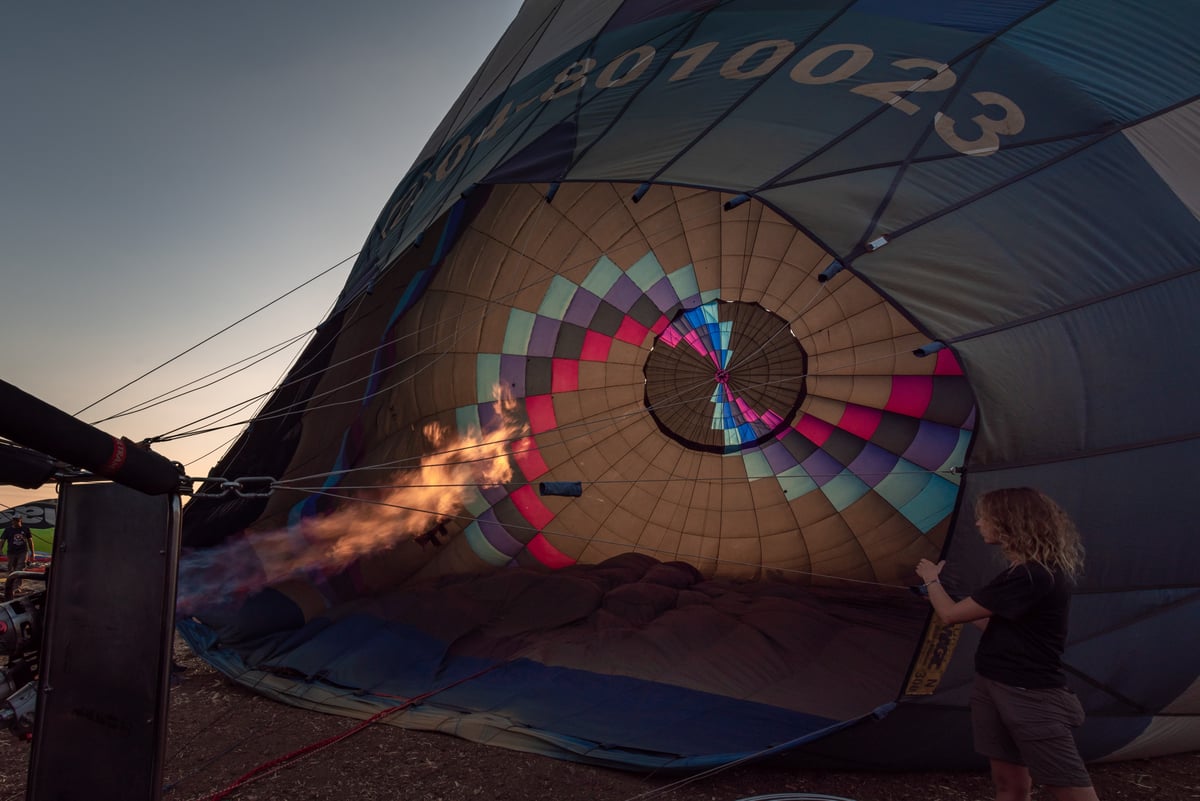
779	457
512	373
582	309
663	294
497	535
543	336
488	419
494	494
624	293
873	464
822	467
932	446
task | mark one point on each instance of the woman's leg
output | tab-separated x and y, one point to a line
1012	781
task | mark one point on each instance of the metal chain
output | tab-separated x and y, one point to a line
245	487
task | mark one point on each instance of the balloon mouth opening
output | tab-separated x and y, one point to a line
725	376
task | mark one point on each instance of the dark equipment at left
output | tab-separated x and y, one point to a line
89	657
38	425
24	468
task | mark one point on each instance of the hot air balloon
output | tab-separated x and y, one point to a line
693	327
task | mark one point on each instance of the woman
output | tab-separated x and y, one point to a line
1022	713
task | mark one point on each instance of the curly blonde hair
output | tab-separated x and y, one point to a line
1031	527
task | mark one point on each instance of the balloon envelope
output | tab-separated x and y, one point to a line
782	288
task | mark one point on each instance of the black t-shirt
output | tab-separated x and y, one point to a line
17	538
1023	643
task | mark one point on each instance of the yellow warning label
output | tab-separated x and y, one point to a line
936	651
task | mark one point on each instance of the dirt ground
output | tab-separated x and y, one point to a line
219	732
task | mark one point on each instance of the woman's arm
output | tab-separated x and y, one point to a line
950	611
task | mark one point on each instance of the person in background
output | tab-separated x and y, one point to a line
1022	713
17	541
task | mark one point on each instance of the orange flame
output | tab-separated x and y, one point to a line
416	501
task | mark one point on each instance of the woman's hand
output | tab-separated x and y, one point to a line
928	571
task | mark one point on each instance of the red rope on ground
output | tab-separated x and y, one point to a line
269	767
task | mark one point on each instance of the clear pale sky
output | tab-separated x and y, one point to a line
168	168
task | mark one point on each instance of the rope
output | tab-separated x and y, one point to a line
214	336
640	547
593	482
279	763
483	305
228	411
167	396
182	432
614	418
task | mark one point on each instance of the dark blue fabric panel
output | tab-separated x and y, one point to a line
1142	629
545	159
368	653
979	16
1071	230
631	714
1133	57
1102	735
633	12
1048	398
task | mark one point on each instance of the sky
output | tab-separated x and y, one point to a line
169	168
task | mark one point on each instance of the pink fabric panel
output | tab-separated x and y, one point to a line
527	456
860	421
947	364
813	429
910	395
595	347
564	376
531	507
693	338
547	554
540	410
748	414
632	331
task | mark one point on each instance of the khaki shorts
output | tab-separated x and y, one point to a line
1033	728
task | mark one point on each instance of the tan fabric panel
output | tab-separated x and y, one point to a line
882	539
787	553
743	553
863	390
703	552
834	550
824	408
